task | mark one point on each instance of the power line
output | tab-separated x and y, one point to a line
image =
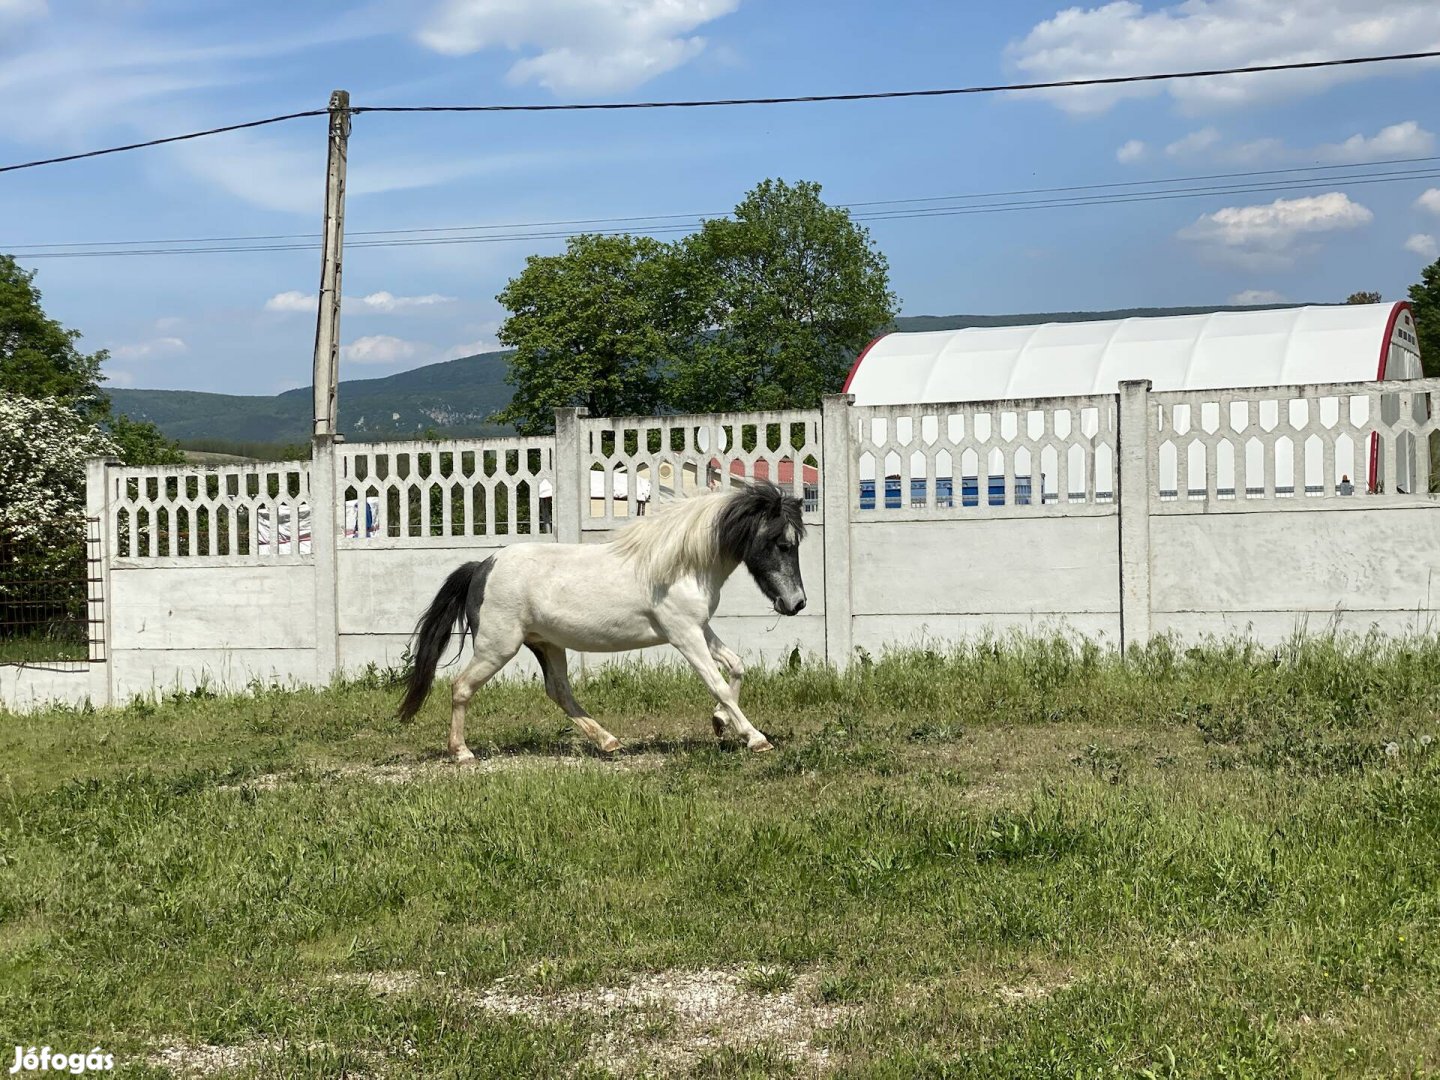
162	142
950	209
1335	174
1060	84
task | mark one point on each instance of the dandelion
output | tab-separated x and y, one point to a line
1425	740
1392	749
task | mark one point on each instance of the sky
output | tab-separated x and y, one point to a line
77	75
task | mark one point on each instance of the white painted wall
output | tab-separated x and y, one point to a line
178	626
1118	561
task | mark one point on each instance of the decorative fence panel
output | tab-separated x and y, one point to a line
630	461
259	511
418	493
984	458
1227	449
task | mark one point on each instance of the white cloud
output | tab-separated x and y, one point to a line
1270	235
381	349
169	322
153	349
579	46
1257	296
471	348
380	303
1424	245
116	377
1407	139
1131	152
1196	142
386	303
1429	201
1124	38
292	301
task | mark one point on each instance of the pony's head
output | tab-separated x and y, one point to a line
760	526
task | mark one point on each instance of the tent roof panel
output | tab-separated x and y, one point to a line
1225	349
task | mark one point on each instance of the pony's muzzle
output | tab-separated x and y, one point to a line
791	607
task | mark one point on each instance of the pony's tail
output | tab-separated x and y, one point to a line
432	633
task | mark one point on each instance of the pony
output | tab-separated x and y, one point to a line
658	581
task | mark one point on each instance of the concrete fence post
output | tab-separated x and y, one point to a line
100	549
837	490
1135	439
572	490
327	524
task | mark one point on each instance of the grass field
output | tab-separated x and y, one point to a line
44	649
1021	859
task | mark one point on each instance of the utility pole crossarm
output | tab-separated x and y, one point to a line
327	327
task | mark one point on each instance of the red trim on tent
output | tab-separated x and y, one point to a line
1400	305
856	366
809	473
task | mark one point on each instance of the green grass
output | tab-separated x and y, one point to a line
43	648
1024	858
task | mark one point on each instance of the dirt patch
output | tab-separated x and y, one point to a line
1036	989
664	1022
186	1059
440	771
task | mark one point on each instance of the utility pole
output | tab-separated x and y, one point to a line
327	326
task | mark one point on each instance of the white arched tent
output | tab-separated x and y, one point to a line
1222	350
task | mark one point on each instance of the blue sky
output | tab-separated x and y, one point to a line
78	75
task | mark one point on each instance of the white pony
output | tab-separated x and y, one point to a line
658	581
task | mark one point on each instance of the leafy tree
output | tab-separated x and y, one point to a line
789	290
1364	298
39	359
593	327
1425	304
139	442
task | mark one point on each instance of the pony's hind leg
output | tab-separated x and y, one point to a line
488	659
726	657
555	667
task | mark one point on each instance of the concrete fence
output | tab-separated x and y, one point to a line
1113	516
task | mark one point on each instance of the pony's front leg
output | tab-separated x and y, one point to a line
692	645
723	655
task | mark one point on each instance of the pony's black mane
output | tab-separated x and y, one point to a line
755	518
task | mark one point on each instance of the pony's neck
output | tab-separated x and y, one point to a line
719	573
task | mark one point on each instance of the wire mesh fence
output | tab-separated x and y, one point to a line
50	600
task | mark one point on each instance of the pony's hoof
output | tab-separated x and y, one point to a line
463	756
761	747
610	745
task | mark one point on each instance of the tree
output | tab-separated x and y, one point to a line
1364	298
39	360
594	327
789	290
38	357
1425	306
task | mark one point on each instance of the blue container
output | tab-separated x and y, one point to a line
945	492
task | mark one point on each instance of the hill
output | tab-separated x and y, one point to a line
452	398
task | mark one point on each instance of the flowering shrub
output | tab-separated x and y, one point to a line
43	448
